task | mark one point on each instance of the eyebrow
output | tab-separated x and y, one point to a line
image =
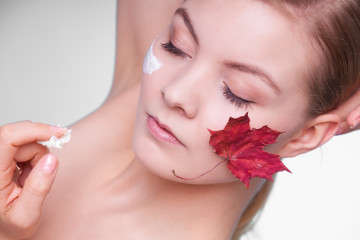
182	12
254	71
185	16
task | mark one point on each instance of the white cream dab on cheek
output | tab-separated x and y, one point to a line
55	142
151	63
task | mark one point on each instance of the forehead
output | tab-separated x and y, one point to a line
253	32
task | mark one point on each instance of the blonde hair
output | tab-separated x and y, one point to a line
334	25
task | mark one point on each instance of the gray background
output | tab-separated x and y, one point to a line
56	66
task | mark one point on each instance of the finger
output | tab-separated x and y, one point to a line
16	134
351	123
357	127
354	118
24	132
30	151
28	206
343	128
349	106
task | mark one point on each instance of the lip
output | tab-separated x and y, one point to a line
161	131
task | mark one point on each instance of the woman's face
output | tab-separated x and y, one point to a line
219	59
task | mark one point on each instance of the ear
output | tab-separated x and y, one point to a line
316	132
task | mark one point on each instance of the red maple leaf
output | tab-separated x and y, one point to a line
242	147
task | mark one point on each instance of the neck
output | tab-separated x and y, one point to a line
190	211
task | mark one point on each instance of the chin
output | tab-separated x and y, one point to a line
161	158
162	167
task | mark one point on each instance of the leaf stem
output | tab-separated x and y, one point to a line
173	171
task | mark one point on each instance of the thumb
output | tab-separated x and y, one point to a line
27	208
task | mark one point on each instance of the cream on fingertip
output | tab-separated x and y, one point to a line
55	142
58	129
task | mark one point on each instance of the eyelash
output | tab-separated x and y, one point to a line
239	102
169	47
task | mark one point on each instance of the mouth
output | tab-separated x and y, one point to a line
161	131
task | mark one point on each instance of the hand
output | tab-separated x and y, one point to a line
27	171
349	112
351	123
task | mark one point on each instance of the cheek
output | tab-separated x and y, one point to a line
153	75
290	121
151	62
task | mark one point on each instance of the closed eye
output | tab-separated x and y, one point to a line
169	47
239	102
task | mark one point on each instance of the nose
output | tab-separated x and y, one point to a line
183	93
179	100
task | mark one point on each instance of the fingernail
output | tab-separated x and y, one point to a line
49	164
355	123
58	130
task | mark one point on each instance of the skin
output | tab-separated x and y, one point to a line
135	194
349	112
176	101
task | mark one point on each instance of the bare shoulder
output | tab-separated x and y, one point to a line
100	149
104	134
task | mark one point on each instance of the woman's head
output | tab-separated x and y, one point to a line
225	58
